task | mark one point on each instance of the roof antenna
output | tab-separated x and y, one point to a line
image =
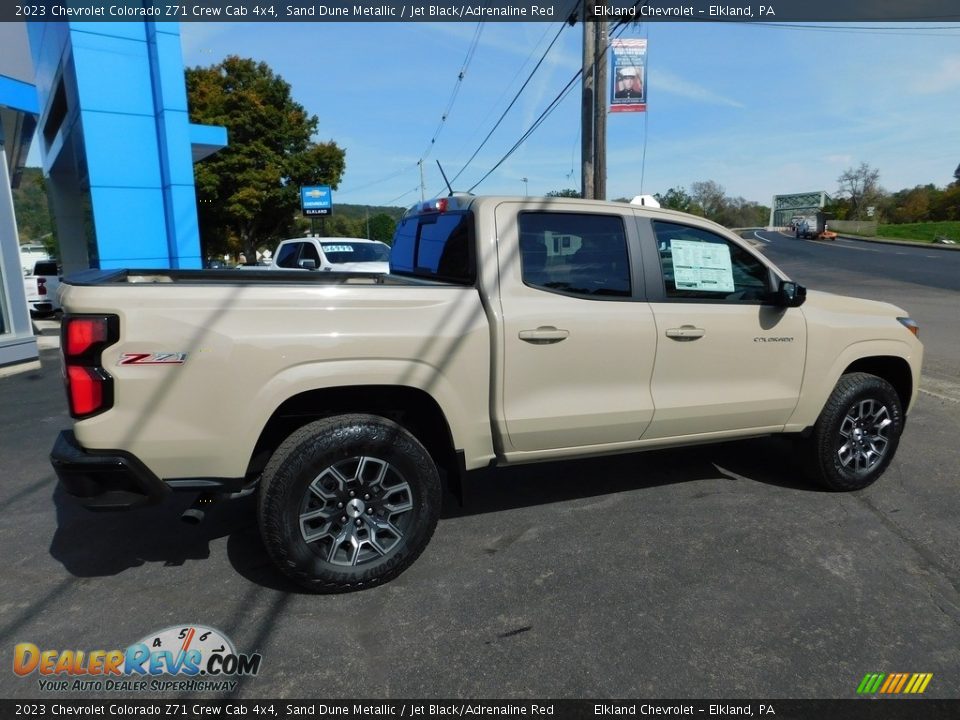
445	179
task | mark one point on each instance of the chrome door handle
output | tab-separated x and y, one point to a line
686	332
544	335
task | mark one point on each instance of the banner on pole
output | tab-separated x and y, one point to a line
628	76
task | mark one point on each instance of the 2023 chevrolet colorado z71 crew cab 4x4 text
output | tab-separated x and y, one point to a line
509	330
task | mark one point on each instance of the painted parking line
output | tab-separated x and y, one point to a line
762	239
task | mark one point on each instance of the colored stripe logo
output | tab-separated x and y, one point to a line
894	683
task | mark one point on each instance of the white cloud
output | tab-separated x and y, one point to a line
946	77
667	82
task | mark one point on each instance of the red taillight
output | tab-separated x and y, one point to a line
41	286
83	339
83	333
85	390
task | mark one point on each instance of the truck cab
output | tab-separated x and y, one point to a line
332	254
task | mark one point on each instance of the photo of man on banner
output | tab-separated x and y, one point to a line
628	81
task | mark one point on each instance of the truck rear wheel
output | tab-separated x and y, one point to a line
857	433
348	502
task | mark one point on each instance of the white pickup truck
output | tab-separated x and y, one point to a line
41	285
332	254
509	330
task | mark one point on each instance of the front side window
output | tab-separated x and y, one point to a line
287	257
308	252
700	265
575	253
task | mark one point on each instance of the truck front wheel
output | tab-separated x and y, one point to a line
857	433
348	502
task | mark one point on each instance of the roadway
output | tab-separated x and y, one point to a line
923	281
921	265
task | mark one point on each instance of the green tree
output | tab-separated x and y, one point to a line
248	193
33	210
676	198
709	198
565	193
382	227
947	205
861	186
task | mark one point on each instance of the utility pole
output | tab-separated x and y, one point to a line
600	111
586	108
593	117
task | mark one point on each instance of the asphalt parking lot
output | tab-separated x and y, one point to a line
701	572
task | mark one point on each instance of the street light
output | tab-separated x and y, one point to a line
525	193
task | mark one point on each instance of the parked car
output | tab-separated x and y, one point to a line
332	255
41	286
509	330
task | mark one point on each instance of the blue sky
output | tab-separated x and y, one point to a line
759	109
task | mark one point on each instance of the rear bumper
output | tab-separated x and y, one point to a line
39	306
105	480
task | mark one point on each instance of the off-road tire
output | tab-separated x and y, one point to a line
305	469
848	449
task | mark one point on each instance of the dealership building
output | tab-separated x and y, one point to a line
105	104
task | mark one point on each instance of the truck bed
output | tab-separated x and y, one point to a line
248	342
235	277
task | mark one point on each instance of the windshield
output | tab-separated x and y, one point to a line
347	252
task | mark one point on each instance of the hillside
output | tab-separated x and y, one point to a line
358	212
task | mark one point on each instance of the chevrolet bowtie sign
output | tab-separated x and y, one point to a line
316	200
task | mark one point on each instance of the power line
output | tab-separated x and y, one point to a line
546	113
512	102
471	50
862	29
401	171
506	88
543	116
393	200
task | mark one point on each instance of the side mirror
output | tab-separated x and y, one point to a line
790	294
308	264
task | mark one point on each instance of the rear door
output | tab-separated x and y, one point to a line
727	359
578	339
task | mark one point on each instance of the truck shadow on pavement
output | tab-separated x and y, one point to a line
91	544
769	461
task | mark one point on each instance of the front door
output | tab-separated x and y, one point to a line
727	360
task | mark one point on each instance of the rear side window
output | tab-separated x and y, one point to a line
45	267
438	246
575	254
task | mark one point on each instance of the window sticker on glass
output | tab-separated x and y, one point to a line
701	266
337	248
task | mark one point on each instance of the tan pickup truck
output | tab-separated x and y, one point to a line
509	330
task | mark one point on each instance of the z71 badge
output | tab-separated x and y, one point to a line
163	358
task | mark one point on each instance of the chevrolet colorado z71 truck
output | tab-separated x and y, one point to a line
509	330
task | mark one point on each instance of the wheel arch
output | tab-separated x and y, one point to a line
895	370
412	408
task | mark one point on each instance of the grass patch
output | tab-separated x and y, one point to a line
921	232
